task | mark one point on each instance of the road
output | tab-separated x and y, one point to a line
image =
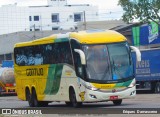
141	101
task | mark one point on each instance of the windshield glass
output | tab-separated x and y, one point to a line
120	59
97	62
108	61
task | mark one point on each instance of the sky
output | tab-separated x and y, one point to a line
103	4
106	7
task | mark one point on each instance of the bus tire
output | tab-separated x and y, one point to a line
157	87
73	99
117	102
29	98
68	103
34	96
43	103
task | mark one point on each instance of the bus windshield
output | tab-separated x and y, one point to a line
107	62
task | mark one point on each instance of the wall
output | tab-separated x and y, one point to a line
13	19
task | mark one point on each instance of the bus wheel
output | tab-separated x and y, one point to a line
43	103
29	98
35	101
157	87
73	99
68	103
117	102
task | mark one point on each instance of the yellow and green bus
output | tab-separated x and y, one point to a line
77	67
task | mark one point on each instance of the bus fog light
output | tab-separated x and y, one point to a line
93	96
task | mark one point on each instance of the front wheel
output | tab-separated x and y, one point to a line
73	99
117	102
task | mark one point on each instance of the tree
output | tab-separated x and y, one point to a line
141	10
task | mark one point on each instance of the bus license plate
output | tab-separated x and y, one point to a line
113	97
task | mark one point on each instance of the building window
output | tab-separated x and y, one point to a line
8	56
55	28
36	18
30	18
37	29
77	17
30	29
55	17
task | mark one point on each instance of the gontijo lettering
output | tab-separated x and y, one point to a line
34	72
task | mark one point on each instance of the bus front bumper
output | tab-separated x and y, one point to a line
98	96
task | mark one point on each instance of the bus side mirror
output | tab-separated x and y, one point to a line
82	56
138	53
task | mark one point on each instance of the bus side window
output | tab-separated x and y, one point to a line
76	56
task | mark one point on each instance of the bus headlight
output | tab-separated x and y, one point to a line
92	88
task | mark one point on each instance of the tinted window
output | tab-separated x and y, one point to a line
55	28
36	18
55	17
76	56
77	17
30	18
43	54
97	62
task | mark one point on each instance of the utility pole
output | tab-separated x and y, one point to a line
34	35
84	23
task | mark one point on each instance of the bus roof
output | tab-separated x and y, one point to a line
98	36
85	37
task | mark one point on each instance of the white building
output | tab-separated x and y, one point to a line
13	19
57	15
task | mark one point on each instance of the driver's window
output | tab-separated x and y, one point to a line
77	60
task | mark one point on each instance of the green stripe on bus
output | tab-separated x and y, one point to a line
126	84
61	40
53	79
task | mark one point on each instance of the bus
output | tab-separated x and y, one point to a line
75	68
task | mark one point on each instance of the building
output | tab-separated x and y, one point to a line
13	19
57	15
108	24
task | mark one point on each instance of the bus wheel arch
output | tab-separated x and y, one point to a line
73	98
